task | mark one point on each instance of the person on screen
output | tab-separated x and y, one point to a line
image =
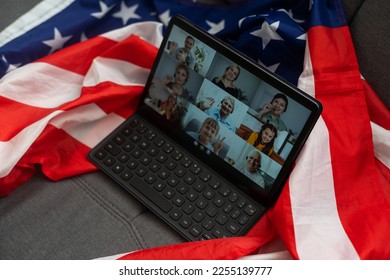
170	109
251	166
178	80
264	139
183	54
221	114
271	113
226	81
207	134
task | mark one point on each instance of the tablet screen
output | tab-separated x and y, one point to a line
228	106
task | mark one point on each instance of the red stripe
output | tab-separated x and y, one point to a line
59	154
363	209
110	97
141	52
70	58
15	116
282	219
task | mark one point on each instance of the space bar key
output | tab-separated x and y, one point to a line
151	194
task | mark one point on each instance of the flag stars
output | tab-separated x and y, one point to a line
58	42
104	9
165	17
127	13
216	27
267	32
10	66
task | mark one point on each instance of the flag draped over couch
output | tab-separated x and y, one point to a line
57	104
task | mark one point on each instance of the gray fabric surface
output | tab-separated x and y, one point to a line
89	216
80	218
10	10
370	26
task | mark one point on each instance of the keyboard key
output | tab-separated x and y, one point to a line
188	208
151	194
100	154
176	214
185	223
178	201
209	194
250	209
208	224
118	168
202	203
192	196
159	186
119	139
169	193
198	216
212	211
113	149
222	219
219	201
126	175
243	220
220	233
124	157
109	161
233	228
195	230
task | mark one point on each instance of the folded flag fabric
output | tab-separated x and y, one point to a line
60	103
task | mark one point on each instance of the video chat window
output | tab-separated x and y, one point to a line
224	108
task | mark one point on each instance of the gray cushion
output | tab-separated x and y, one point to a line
83	217
370	25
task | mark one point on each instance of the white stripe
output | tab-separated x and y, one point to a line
42	85
36	16
11	151
381	139
116	71
88	124
319	233
150	31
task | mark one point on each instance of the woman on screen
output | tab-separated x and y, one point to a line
226	81
271	113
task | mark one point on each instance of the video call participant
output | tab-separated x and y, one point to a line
183	54
171	110
226	81
251	166
178	80
206	135
271	113
264	139
222	114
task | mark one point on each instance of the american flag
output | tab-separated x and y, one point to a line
73	70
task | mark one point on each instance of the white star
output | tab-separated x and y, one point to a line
10	66
165	17
127	13
271	68
302	37
58	41
268	33
83	37
216	27
104	9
